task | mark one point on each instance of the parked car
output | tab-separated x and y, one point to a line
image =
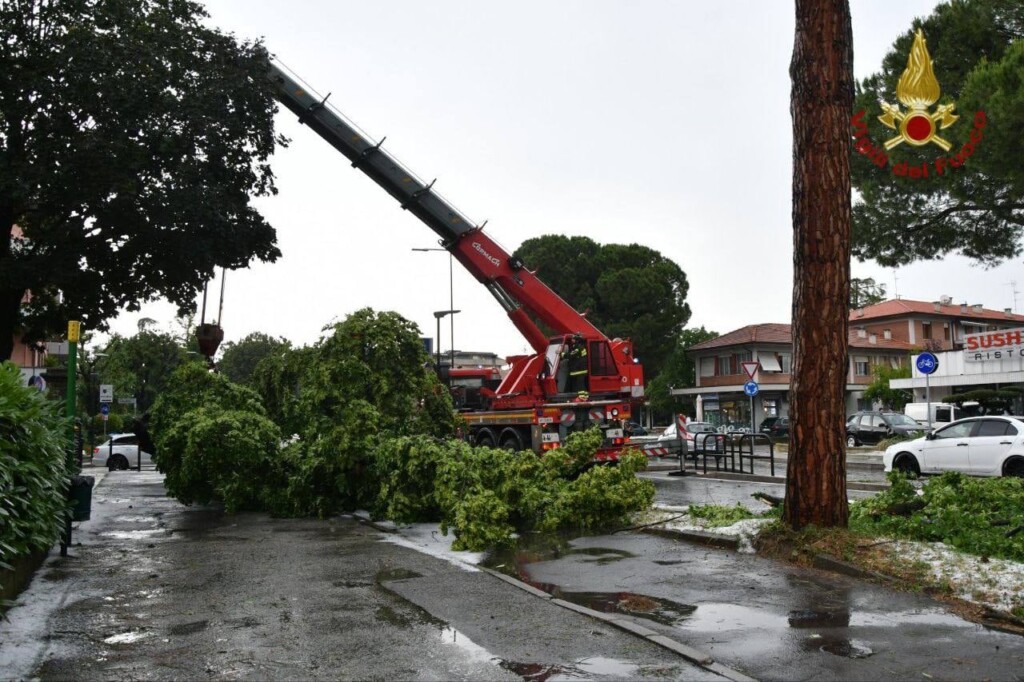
779	428
695	435
766	424
634	429
979	446
870	428
119	452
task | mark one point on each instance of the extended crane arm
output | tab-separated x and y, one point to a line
517	289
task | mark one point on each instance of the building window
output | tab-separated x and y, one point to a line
926	330
861	367
707	367
786	360
945	331
724	365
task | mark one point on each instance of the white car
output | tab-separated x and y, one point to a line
119	452
979	446
701	434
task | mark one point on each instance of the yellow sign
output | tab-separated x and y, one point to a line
917	90
74	329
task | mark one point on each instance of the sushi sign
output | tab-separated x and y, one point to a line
998	345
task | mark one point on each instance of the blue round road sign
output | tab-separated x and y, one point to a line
750	388
105	408
927	363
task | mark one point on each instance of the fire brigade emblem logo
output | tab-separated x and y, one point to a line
918	89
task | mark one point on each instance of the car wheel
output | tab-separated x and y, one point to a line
907	464
117	463
851	441
1014	467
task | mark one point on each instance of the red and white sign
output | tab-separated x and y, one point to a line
998	345
751	369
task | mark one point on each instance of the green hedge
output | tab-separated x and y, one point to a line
33	469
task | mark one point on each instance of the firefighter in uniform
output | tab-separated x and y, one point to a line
578	365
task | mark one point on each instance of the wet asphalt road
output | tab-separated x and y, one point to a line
157	590
161	591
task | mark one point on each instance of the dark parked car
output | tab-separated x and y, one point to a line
779	428
766	424
634	429
869	428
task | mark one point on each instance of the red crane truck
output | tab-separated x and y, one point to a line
542	398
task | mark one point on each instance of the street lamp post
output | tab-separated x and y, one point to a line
451	306
438	314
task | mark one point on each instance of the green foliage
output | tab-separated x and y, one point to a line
969	514
372	429
134	139
718	515
898	438
486	496
865	292
191	388
628	291
226	455
33	473
141	366
990	400
879	391
975	210
239	360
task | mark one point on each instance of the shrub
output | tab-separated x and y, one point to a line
485	496
970	514
226	455
33	468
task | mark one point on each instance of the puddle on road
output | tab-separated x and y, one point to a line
719	616
146	534
836	618
837	646
126	637
658	609
602	555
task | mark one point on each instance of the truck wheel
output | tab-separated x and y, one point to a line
510	440
485	438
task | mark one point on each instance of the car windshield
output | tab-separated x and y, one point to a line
897	419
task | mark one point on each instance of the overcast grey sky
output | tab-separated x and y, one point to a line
661	122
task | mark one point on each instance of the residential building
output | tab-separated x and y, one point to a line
886	333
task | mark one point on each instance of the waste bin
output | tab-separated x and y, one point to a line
80	493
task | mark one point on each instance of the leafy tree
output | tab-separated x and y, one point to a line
628	291
976	210
990	400
141	366
133	137
366	379
679	372
879	391
864	292
822	93
239	359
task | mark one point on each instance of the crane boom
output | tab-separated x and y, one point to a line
512	285
537	382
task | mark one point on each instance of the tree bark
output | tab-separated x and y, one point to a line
821	104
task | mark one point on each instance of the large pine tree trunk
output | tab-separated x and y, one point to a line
821	104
